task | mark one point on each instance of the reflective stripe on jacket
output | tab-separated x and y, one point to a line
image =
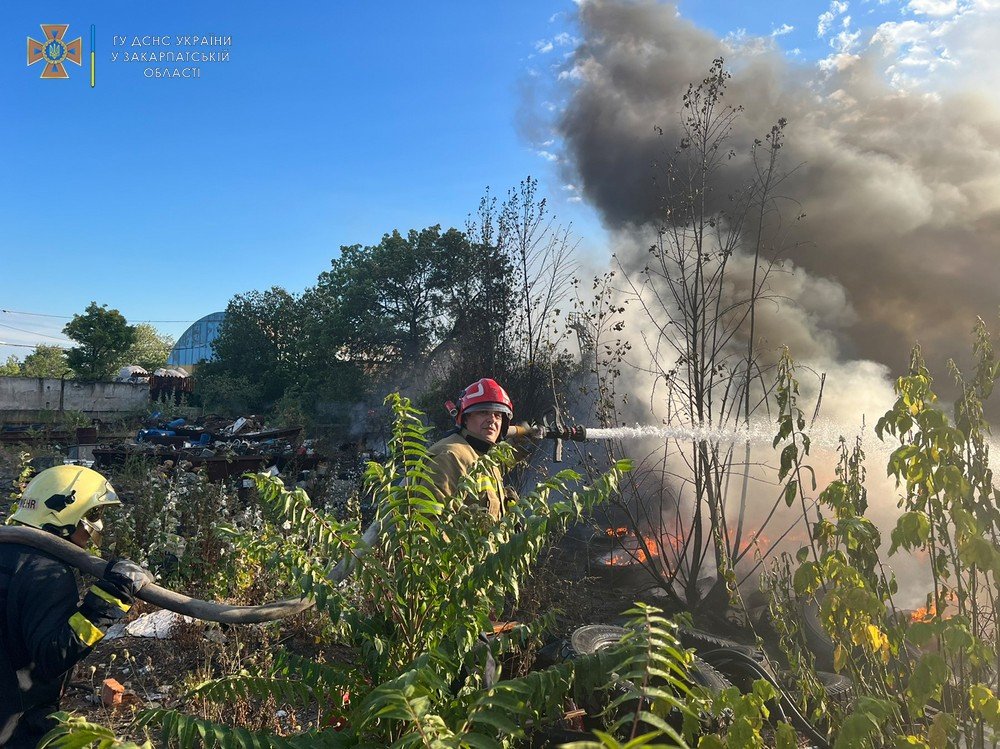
44	632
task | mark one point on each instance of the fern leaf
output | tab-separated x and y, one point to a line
188	731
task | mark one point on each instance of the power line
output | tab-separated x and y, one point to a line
33	314
70	317
30	345
34	332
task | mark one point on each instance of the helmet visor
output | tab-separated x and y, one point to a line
94	524
499	408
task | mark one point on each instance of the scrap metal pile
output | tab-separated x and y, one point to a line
225	449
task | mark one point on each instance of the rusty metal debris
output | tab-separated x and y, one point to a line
223	449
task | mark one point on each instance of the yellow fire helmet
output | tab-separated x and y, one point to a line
58	498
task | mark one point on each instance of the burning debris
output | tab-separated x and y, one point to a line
632	549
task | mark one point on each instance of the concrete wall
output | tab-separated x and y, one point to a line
28	398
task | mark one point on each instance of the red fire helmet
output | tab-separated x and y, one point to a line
485	395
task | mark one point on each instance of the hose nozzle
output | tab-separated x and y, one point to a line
551	428
556	430
531	431
574	433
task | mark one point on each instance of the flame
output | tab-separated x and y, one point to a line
930	611
637	549
756	541
640	548
924	614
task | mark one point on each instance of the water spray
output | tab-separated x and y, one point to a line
554	428
761	433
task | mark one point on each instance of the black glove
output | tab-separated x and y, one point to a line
124	579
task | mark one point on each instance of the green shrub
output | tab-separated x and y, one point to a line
928	681
423	590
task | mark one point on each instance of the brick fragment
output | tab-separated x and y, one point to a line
111	693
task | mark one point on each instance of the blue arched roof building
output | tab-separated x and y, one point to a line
195	344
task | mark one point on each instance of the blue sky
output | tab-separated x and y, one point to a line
331	123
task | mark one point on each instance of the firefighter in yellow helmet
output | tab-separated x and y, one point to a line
44	627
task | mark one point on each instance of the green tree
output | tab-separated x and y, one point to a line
396	301
46	361
11	367
259	345
275	345
697	307
103	335
435	310
150	349
425	310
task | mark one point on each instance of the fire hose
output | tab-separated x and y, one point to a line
211	611
214	611
723	658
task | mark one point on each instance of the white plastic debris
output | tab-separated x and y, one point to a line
215	635
115	631
131	372
236	426
159	624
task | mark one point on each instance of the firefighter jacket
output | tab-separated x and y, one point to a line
44	632
453	457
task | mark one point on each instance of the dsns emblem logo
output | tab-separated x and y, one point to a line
55	51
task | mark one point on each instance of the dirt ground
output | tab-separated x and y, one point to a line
158	672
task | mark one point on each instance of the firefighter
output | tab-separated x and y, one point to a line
483	416
44	628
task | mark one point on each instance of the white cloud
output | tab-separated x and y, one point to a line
941	52
573	74
934	8
736	38
845	41
782	30
897	34
562	39
547	155
838	61
837	8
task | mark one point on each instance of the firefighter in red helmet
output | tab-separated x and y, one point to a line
484	413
